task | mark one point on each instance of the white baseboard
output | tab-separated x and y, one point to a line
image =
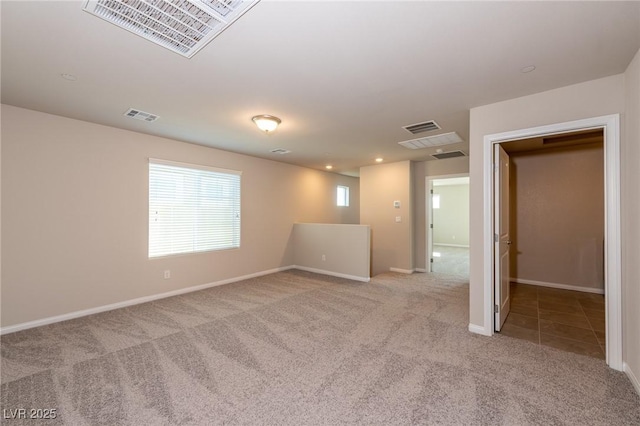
451	245
560	286
131	302
632	377
420	270
478	330
331	273
402	271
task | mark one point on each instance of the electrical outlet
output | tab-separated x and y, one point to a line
167	274
324	257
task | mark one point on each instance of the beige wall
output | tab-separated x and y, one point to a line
75	215
333	249
391	242
451	220
557	216
421	170
590	99
630	200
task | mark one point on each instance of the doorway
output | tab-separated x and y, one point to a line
448	224
612	267
556	229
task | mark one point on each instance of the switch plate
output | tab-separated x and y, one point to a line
396	204
398	219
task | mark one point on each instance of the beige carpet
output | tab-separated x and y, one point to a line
298	348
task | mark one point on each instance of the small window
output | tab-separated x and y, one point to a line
436	201
343	196
192	208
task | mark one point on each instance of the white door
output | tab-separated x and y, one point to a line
502	238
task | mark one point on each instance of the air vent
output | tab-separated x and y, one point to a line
450	154
280	151
428	142
427	126
183	26
141	115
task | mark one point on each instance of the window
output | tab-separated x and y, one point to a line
192	208
436	201
343	196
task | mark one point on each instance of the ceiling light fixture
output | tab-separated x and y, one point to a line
328	167
379	160
266	123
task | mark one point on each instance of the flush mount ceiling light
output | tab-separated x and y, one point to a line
183	26
328	167
379	160
266	123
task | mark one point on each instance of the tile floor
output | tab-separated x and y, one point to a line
568	320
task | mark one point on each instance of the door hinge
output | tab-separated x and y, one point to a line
496	238
496	309
432	260
431	225
432	191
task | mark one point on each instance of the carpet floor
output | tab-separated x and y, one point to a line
304	349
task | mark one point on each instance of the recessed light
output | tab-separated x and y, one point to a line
69	77
379	160
528	69
328	167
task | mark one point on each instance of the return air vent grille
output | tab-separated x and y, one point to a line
450	154
280	151
141	115
183	26
428	142
427	126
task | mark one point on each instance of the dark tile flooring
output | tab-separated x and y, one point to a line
568	320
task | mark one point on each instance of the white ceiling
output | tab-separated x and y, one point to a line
344	77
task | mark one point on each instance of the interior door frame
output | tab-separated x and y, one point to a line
429	212
613	285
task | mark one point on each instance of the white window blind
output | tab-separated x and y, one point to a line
192	208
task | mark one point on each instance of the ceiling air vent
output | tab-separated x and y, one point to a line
183	26
141	115
428	142
427	126
280	151
450	154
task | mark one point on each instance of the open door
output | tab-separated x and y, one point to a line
502	239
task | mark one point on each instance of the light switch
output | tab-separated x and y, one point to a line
398	219
396	204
